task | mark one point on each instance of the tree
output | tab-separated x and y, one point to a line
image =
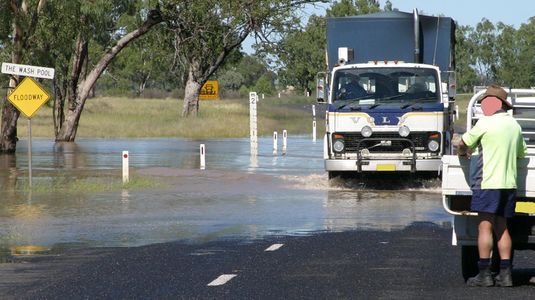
346	8
265	85
464	58
301	52
146	62
507	52
484	40
24	17
94	21
76	70
526	55
207	32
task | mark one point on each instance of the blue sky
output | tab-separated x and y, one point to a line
470	12
465	12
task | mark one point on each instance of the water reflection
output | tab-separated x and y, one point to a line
382	210
68	156
8	176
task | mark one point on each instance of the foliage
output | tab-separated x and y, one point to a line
464	56
301	52
264	85
208	32
345	8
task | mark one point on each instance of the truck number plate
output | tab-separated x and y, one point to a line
386	167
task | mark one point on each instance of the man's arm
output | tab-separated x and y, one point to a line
462	149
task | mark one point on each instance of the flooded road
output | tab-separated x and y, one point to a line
237	196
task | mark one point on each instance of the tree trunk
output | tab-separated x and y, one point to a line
67	132
8	139
10	115
191	97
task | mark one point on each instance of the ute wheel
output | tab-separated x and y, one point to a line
469	259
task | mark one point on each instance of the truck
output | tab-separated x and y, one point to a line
456	193
401	117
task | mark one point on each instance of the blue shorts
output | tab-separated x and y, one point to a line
499	201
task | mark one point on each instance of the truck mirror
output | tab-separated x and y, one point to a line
320	89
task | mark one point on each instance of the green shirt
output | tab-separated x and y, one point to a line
501	144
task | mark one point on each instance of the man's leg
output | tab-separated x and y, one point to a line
505	243
504	247
484	238
484	244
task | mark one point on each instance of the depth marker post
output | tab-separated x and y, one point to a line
126	175
313	122
275	137
202	152
284	141
314	130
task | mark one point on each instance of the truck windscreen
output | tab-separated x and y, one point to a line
379	86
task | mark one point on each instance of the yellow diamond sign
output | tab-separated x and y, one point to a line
28	97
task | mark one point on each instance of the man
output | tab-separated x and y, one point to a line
419	86
352	90
497	139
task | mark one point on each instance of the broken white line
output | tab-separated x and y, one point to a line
274	247
222	279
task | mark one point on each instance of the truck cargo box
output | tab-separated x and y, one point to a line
396	40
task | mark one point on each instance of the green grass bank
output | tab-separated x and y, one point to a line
109	117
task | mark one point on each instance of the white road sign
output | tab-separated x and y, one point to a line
25	70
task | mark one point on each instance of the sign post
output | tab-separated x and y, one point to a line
28	97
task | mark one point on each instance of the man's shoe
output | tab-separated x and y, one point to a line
484	279
505	278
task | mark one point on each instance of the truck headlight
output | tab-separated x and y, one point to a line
404	131
366	131
338	145
433	145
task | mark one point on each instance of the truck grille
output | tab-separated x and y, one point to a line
389	146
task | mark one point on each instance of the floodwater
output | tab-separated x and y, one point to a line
236	196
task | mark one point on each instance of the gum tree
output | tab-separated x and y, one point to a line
23	17
207	32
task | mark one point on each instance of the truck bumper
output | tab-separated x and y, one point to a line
422	165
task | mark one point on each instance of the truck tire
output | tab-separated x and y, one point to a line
469	259
334	174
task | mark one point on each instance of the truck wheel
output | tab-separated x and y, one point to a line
333	174
469	259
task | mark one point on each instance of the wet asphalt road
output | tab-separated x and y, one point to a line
417	262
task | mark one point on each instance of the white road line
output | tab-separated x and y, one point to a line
274	247
222	279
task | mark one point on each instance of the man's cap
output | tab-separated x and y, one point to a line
498	92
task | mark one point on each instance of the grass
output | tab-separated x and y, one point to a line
112	117
109	117
462	101
67	184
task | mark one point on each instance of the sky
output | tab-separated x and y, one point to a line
465	12
470	12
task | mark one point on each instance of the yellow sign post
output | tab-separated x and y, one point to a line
210	90
28	97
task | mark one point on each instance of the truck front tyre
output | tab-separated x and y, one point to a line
334	174
469	259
